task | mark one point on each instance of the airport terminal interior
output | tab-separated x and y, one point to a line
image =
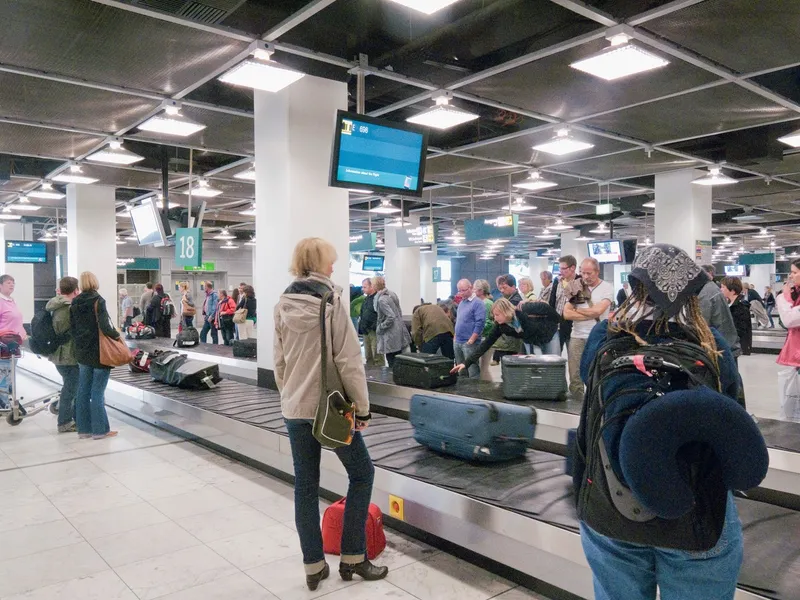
191	144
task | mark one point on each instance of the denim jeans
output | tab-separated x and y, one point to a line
70	375
443	342
204	333
463	352
90	404
551	347
188	322
632	572
227	327
306	452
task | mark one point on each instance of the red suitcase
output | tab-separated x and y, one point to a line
333	524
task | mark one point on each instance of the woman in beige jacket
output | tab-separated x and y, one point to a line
297	373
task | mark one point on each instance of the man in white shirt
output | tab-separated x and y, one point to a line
585	311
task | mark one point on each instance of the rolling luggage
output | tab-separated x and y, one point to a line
187	338
534	377
245	348
423	370
179	371
333	525
475	430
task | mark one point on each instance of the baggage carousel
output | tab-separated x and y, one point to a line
520	514
768	341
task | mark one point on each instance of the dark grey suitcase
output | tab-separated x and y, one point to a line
532	377
423	370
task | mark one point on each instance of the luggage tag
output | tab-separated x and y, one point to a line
143	360
209	382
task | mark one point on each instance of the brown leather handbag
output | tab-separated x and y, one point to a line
113	352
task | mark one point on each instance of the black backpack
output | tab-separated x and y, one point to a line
167	308
188	338
605	503
44	340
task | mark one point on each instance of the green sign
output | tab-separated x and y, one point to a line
139	264
766	258
363	241
189	247
491	228
206	266
437	274
623	277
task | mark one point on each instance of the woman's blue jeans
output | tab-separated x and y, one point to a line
632	572
90	403
551	347
306	452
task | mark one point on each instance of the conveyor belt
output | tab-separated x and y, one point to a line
534	486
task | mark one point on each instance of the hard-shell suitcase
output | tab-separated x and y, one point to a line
187	338
423	370
333	525
475	430
245	348
534	377
178	370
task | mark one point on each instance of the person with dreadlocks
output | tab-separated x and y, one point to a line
662	307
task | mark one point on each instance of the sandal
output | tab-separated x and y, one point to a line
105	435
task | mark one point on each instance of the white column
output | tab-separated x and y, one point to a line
537	264
570	246
91	238
427	260
294	130
402	268
683	210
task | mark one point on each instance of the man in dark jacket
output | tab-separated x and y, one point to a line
158	320
368	325
64	356
507	284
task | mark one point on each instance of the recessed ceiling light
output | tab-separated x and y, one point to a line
535	182
385	208
546	235
398	222
115	154
172	122
47	192
74	176
25	206
442	116
651	204
229	245
248	175
250	242
203	190
600	229
519	205
47	237
120	241
261	72
714	177
9	217
560	226
426	6
620	60
563	144
792	139
584	238
250	212
224	234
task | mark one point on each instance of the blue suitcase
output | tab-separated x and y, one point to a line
475	430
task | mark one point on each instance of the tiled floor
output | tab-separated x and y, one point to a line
147	516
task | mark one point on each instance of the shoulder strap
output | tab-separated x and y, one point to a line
323	395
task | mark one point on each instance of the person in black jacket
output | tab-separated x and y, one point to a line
247	330
535	323
368	324
731	288
88	318
623	294
158	320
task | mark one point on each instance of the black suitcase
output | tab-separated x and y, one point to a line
534	377
245	348
421	370
179	371
187	338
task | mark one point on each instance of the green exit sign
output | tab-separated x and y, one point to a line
206	266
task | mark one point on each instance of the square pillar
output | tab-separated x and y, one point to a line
402	268
683	211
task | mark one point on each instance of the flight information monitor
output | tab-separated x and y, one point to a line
26	252
379	155
606	251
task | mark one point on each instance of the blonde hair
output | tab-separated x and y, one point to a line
312	255
527	281
483	285
505	308
184	287
379	283
89	282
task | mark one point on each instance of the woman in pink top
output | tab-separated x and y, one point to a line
10	314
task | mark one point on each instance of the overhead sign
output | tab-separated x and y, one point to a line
188	247
206	266
138	264
491	227
363	241
767	258
437	274
423	235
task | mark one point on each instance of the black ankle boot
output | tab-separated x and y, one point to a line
366	570
312	581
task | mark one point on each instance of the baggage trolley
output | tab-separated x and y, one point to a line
12	404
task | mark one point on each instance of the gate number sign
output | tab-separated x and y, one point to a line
189	247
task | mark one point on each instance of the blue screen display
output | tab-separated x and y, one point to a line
376	155
372	263
26	252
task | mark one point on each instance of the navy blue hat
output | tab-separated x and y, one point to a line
669	275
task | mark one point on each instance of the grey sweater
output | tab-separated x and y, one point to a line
717	314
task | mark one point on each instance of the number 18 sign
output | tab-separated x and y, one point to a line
188	247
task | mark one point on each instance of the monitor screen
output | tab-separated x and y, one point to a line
606	251
556	268
378	154
372	263
147	224
26	252
735	270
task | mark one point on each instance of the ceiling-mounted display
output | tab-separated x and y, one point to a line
383	155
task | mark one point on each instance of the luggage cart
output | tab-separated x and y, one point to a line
12	404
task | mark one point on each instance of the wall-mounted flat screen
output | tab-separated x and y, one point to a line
378	154
147	224
735	270
26	252
606	251
372	263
